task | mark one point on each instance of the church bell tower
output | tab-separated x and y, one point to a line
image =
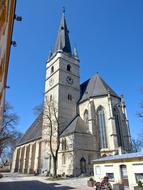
62	76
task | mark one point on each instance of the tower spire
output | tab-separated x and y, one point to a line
63	41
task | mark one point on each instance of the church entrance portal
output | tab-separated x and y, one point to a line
83	165
47	163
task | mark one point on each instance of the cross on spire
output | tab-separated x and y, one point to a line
64	10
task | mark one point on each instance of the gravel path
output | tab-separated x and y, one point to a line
29	182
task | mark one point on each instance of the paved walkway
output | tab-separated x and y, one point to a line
29	182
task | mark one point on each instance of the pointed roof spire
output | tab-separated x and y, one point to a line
75	53
63	41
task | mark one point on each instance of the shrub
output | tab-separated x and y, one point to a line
140	184
91	179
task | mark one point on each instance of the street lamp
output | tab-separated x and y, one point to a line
17	18
13	43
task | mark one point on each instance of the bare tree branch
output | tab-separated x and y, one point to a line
53	124
38	109
140	113
8	132
137	145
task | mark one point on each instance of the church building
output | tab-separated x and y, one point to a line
93	119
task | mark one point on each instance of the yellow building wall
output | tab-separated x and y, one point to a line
7	9
133	167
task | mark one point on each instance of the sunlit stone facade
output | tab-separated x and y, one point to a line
93	117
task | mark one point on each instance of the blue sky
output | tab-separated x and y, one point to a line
108	35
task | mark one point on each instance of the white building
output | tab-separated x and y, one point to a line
125	169
93	117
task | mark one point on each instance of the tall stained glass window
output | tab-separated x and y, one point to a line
118	126
86	117
102	127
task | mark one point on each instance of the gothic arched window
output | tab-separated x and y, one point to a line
52	69
69	97
63	159
68	68
118	126
86	116
102	127
64	144
51	97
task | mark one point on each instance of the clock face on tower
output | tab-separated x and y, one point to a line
69	80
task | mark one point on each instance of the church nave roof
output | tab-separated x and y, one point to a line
76	126
33	132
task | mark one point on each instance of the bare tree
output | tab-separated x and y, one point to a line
53	125
140	113
9	146
7	130
137	145
38	109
